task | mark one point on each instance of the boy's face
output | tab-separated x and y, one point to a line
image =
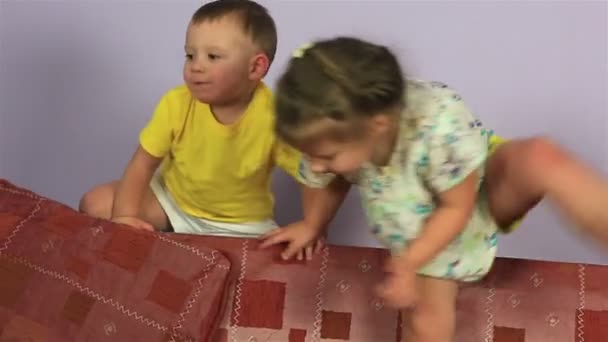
220	60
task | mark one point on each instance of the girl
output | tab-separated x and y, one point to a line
436	185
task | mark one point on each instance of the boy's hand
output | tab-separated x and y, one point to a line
133	222
399	287
300	238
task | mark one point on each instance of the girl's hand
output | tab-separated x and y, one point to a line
298	236
314	248
399	287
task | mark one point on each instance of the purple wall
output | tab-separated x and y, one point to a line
78	79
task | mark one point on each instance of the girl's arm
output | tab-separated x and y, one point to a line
320	205
453	211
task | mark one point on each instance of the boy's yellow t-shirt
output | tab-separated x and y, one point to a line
215	171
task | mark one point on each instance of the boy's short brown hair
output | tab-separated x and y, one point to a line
255	19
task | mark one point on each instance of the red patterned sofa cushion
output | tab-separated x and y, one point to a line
69	277
330	299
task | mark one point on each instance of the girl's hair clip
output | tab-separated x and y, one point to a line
300	51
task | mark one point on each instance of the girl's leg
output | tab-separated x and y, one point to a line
98	202
522	172
433	318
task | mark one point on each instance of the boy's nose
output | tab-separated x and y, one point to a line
197	66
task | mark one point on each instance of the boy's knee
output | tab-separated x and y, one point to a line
87	203
96	203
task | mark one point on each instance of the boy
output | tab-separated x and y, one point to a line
212	137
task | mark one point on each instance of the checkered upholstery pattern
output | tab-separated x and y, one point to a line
68	277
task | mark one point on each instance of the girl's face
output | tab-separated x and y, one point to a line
337	156
367	141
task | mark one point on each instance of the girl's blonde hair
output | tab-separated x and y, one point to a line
342	79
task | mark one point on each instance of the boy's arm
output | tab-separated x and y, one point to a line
134	183
154	143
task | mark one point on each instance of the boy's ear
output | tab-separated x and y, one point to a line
259	66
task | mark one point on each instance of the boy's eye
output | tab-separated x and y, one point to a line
326	158
189	56
213	56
